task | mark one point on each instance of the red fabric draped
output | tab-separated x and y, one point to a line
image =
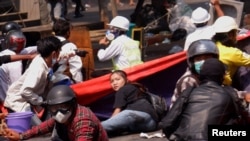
93	89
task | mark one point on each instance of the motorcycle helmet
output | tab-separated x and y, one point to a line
15	40
10	26
60	94
201	47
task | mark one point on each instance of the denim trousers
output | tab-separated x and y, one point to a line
129	121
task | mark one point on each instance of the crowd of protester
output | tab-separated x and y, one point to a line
204	95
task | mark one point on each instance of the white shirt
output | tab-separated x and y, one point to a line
29	50
74	63
117	51
9	73
29	88
205	32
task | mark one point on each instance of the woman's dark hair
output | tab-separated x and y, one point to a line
123	74
47	45
142	88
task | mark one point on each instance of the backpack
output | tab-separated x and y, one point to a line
159	104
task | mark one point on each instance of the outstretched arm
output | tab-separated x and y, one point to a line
217	8
22	57
11	58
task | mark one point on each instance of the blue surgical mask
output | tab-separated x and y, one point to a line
197	66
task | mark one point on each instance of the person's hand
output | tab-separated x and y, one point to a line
32	56
104	41
247	97
38	110
66	54
11	134
3	124
215	2
3	115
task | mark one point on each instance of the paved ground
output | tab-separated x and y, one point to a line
133	137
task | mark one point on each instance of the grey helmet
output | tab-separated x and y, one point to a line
60	94
7	27
200	47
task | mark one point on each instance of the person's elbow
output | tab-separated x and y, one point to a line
101	55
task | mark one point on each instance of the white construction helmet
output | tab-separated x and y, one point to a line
200	15
120	22
225	24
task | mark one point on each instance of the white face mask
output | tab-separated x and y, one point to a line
62	118
110	36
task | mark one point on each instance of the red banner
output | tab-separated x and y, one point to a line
93	89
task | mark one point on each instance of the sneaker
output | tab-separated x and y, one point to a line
87	6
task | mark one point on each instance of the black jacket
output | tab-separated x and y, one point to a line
208	104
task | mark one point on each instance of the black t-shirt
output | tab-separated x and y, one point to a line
127	98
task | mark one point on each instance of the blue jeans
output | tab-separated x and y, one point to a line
129	121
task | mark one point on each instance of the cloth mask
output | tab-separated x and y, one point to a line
197	66
62	118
